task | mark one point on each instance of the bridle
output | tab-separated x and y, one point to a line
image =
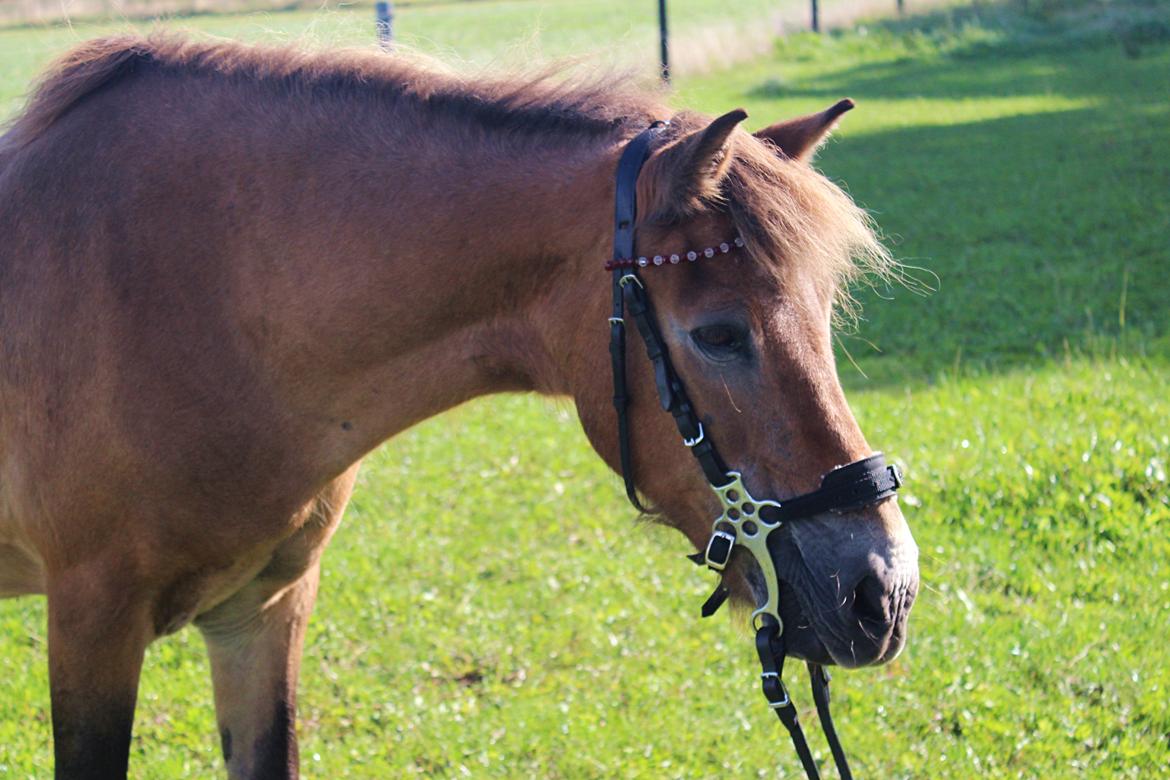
745	521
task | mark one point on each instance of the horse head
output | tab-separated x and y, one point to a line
748	254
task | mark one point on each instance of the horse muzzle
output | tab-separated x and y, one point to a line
849	583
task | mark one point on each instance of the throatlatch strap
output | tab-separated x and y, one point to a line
625	217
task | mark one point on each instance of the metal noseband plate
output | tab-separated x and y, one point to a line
741	524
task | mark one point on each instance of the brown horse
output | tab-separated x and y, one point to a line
227	273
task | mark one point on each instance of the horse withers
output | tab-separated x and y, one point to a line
229	272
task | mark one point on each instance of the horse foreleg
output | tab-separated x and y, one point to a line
98	633
254	640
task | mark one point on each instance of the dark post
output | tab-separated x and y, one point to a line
385	14
901	7
663	42
816	19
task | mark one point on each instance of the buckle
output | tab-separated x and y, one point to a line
719	549
782	702
779	705
696	440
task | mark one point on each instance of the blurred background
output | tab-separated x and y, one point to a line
1015	155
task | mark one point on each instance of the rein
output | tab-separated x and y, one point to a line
745	521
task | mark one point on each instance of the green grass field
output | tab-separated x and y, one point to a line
537	631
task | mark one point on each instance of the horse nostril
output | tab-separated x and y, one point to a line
869	600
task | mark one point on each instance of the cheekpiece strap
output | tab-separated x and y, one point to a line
630	293
624	219
672	395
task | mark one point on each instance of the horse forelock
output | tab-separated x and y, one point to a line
788	212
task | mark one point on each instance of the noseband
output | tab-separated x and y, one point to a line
745	521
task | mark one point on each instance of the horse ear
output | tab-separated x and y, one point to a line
688	172
799	138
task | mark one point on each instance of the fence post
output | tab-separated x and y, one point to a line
384	12
816	18
663	42
901	7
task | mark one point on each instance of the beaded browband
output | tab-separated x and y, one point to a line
691	256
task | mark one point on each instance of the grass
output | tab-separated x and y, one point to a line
535	632
1029	177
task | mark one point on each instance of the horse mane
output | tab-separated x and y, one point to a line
785	210
550	101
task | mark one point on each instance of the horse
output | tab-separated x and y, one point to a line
229	272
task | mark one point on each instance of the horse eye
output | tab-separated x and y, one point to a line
721	341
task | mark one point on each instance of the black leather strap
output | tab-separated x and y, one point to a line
715	600
629	293
624	220
860	483
672	396
819	679
770	648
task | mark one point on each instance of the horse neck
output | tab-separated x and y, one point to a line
456	284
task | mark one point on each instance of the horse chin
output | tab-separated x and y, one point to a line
800	637
802	642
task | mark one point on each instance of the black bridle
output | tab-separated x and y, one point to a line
746	521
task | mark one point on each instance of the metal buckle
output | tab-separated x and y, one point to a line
616	321
730	538
696	440
776	705
626	277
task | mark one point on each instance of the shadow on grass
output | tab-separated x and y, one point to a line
990	33
1047	229
990	68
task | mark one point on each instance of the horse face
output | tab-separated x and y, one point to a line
749	333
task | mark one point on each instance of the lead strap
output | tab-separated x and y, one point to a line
819	680
770	648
